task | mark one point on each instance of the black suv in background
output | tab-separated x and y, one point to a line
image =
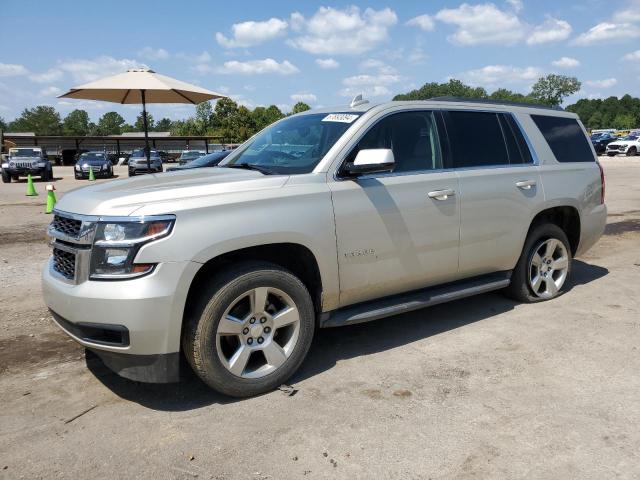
601	140
98	161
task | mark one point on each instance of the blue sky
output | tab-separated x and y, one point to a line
279	52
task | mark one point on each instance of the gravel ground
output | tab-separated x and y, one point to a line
479	388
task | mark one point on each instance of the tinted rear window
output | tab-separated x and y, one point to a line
476	139
565	138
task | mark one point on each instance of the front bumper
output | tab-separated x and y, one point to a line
144	169
133	325
16	171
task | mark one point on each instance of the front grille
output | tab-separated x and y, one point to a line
64	263
613	147
68	226
25	165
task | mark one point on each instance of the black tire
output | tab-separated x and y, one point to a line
201	323
78	177
6	178
632	152
132	173
46	175
611	154
519	289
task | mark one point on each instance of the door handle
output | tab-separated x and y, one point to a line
442	194
526	184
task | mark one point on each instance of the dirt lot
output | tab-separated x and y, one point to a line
479	388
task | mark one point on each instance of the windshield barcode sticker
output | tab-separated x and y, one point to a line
340	117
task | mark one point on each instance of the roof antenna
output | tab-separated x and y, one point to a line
358	100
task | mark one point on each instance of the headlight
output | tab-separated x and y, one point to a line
116	245
105	166
42	164
624	145
12	164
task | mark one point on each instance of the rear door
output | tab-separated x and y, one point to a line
392	236
500	188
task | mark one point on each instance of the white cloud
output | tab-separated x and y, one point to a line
607	32
327	63
628	15
566	62
482	24
552	30
369	85
423	22
517	5
342	32
492	75
633	56
87	70
50	75
254	67
376	64
417	56
605	83
149	53
50	92
304	97
249	34
12	70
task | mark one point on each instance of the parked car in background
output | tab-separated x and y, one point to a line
601	140
164	156
23	161
138	163
326	218
99	162
189	155
629	145
210	160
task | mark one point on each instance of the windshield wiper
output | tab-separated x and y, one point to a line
249	166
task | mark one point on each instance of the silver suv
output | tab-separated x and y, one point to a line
326	218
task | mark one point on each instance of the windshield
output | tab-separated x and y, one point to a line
295	144
188	155
209	159
140	154
87	157
629	137
24	152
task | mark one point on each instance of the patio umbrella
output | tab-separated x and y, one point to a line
141	86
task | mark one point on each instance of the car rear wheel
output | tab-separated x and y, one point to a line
544	265
251	329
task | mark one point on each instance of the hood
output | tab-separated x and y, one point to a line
26	159
124	197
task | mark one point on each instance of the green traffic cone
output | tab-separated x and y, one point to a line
31	190
51	199
92	177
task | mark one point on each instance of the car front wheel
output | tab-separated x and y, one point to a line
6	178
251	329
544	265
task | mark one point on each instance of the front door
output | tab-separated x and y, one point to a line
398	231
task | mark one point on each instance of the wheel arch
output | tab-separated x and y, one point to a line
295	257
567	217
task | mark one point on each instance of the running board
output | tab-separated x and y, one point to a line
414	300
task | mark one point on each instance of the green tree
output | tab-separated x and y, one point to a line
508	95
300	107
76	123
111	123
139	124
453	88
553	89
624	121
205	118
41	120
595	120
225	112
163	125
242	124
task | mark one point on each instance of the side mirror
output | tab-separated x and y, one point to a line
375	160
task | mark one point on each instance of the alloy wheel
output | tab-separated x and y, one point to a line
258	332
548	268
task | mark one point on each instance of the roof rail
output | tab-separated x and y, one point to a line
495	102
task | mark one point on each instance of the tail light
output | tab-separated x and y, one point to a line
602	182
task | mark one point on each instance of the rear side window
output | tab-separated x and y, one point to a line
476	139
519	152
565	138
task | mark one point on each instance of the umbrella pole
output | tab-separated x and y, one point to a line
147	152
